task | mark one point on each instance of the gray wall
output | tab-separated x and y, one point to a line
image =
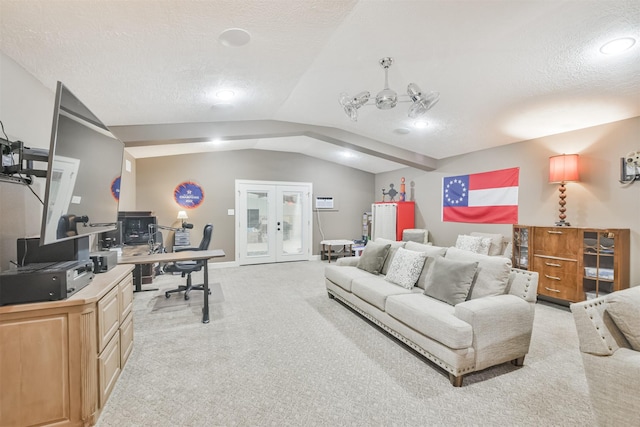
216	172
598	200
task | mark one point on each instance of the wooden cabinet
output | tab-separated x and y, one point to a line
59	360
573	263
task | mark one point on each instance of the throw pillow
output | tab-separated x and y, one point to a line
624	309
392	252
468	243
431	251
406	268
493	272
450	280
496	242
373	257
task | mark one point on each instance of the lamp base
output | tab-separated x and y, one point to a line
562	223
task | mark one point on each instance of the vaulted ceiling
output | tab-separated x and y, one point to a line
507	71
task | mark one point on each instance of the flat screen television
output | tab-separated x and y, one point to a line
83	175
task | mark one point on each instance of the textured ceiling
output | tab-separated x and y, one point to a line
507	71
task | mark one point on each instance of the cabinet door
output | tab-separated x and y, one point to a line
108	317
34	371
108	368
520	247
562	242
126	339
126	297
557	277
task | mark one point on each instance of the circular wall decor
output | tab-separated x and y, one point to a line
188	195
115	188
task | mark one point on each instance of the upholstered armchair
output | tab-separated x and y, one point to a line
609	334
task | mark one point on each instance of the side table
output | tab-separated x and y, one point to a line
328	244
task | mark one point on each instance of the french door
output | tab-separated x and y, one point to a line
273	221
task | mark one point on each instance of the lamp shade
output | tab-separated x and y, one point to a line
182	215
563	168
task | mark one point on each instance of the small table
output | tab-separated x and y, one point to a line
178	256
327	244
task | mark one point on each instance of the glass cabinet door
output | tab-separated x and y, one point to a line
520	257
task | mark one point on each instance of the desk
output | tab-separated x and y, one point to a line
327	244
175	257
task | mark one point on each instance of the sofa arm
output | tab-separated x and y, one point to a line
349	261
501	327
523	284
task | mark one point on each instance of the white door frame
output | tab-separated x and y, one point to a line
275	233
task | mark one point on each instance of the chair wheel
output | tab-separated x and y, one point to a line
186	297
167	294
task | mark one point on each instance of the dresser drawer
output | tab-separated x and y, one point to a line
556	241
557	277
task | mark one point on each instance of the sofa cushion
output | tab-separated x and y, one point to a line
450	280
492	276
392	252
375	290
495	248
476	244
406	267
624	309
431	318
344	275
373	257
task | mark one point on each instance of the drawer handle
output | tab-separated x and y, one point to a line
551	290
550	264
552	277
554	232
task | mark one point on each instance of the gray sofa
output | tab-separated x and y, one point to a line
490	325
609	333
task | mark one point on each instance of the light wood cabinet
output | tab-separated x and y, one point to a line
59	360
573	263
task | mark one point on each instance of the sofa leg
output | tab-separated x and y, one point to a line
518	362
455	381
330	295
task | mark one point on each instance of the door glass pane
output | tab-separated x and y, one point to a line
257	223
292	222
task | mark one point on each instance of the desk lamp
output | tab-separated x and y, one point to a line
563	169
182	215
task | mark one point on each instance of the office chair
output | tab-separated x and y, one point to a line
188	267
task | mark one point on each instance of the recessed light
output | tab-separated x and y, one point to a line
234	37
225	94
420	124
617	46
347	154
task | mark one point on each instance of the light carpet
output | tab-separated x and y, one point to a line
279	352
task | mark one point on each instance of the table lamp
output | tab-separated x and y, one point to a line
563	169
182	215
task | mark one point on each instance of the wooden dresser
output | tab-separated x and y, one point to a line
60	360
574	263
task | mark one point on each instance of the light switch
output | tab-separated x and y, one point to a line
231	212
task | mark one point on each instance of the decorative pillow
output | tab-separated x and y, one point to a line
508	250
406	268
392	252
624	309
432	252
493	272
373	256
468	243
450	280
496	242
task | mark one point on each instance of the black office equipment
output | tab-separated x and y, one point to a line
104	261
30	251
188	267
46	281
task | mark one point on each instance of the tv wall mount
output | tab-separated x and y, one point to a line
22	170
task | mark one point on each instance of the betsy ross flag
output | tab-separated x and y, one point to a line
488	197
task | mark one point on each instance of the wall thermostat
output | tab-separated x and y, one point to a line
324	202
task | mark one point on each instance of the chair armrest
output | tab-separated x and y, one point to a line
524	284
501	325
182	249
349	261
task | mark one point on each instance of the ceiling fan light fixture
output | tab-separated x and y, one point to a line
387	98
616	46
